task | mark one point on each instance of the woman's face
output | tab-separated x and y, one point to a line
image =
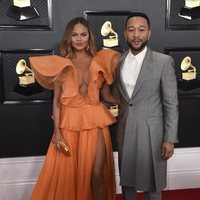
80	37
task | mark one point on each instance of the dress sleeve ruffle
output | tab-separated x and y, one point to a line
104	59
48	69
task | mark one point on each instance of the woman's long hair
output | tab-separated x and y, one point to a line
66	47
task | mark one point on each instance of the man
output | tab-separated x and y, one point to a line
148	113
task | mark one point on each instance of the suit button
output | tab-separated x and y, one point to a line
130	104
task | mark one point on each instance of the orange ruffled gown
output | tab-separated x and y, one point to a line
69	178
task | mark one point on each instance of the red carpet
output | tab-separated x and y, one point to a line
189	194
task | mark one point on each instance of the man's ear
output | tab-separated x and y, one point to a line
125	35
149	35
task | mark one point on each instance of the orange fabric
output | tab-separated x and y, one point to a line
69	178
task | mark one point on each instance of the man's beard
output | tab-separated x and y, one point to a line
139	48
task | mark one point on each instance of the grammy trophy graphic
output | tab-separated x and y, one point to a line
187	66
26	82
190	10
22	10
28	76
112	36
189	79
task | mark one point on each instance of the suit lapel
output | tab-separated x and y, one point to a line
144	72
121	82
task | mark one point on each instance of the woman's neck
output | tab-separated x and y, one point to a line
80	54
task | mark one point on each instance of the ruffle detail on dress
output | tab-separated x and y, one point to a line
48	69
86	117
103	59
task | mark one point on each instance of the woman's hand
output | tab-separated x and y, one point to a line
57	137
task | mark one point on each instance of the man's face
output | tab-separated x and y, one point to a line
137	34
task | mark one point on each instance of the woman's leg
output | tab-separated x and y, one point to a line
98	186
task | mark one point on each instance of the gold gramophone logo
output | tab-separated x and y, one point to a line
192	3
190	71
111	39
22	10
114	110
26	74
191	10
22	3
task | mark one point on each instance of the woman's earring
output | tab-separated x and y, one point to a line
88	47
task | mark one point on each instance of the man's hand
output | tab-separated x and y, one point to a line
167	150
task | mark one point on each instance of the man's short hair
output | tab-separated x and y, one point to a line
138	14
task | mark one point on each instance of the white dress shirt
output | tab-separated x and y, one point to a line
131	69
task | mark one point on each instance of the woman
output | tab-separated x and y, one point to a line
80	120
